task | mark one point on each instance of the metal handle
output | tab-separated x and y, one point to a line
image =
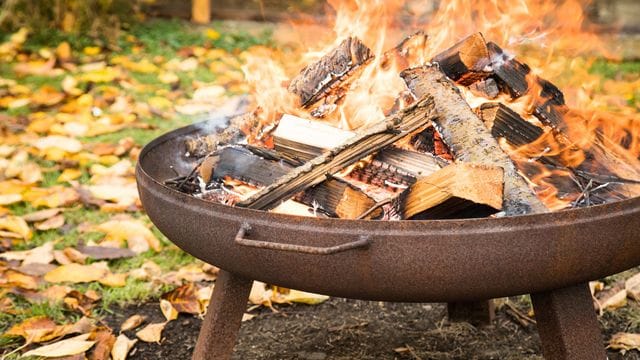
361	243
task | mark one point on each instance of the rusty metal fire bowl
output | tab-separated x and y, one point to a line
551	256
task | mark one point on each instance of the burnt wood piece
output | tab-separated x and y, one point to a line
487	88
305	139
506	123
430	141
339	199
229	133
462	190
467	61
411	162
383	175
510	73
322	77
468	138
363	144
241	164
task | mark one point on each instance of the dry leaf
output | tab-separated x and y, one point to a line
169	312
295	296
632	285
53	223
16	225
132	322
19	279
105	252
123	230
121	347
76	273
114	280
72	346
247	317
37	329
184	299
151	333
41	215
9	199
625	342
148	271
67	144
40	255
69	175
104	343
612	298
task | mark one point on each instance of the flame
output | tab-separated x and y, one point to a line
551	36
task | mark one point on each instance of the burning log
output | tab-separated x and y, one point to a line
305	139
468	138
241	164
364	143
413	163
409	50
459	190
330	73
338	198
202	146
506	123
487	88
511	74
466	62
430	141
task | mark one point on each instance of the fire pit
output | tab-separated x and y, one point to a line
551	256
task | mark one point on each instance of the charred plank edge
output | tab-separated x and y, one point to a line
413	163
468	138
466	61
315	80
329	197
510	73
366	142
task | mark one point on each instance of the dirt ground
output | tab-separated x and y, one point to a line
343	329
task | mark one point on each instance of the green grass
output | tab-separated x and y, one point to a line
612	70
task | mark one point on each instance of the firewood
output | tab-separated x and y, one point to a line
467	61
413	163
409	51
241	164
511	73
228	133
487	88
468	138
458	190
366	142
339	199
506	123
430	141
306	139
330	72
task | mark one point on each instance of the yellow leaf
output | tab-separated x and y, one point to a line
121	347
295	296
55	222
212	34
63	51
151	333
19	279
73	346
114	280
16	225
91	50
76	273
39	255
53	197
122	230
41	215
37	329
169	312
9	199
69	174
107	74
132	322
67	144
160	102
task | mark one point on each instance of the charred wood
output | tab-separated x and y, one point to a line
331	72
413	163
363	144
430	141
467	61
510	73
468	138
487	88
230	133
339	199
506	123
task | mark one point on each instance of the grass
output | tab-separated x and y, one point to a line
612	70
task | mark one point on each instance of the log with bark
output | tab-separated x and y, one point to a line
468	138
462	190
331	72
366	142
467	61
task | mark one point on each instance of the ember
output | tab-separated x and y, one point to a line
333	133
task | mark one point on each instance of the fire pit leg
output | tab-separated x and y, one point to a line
568	325
224	315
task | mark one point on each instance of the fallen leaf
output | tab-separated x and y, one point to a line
104	343
148	271
247	317
16	225
612	298
67	144
72	346
37	329
55	222
69	175
75	255
114	280
625	342
151	333
121	347
16	278
106	252
632	285
123	230
36	269
132	322
170	313
53	197
41	215
9	199
184	299
295	296
76	300
76	273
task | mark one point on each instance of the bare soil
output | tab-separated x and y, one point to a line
343	329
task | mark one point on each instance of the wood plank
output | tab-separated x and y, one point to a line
365	143
468	138
467	61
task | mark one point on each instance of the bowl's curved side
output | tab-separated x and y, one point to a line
425	261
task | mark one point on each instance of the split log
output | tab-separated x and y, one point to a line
339	199
430	141
468	138
331	72
411	162
363	144
511	73
462	190
506	123
306	139
229	133
467	61
241	164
